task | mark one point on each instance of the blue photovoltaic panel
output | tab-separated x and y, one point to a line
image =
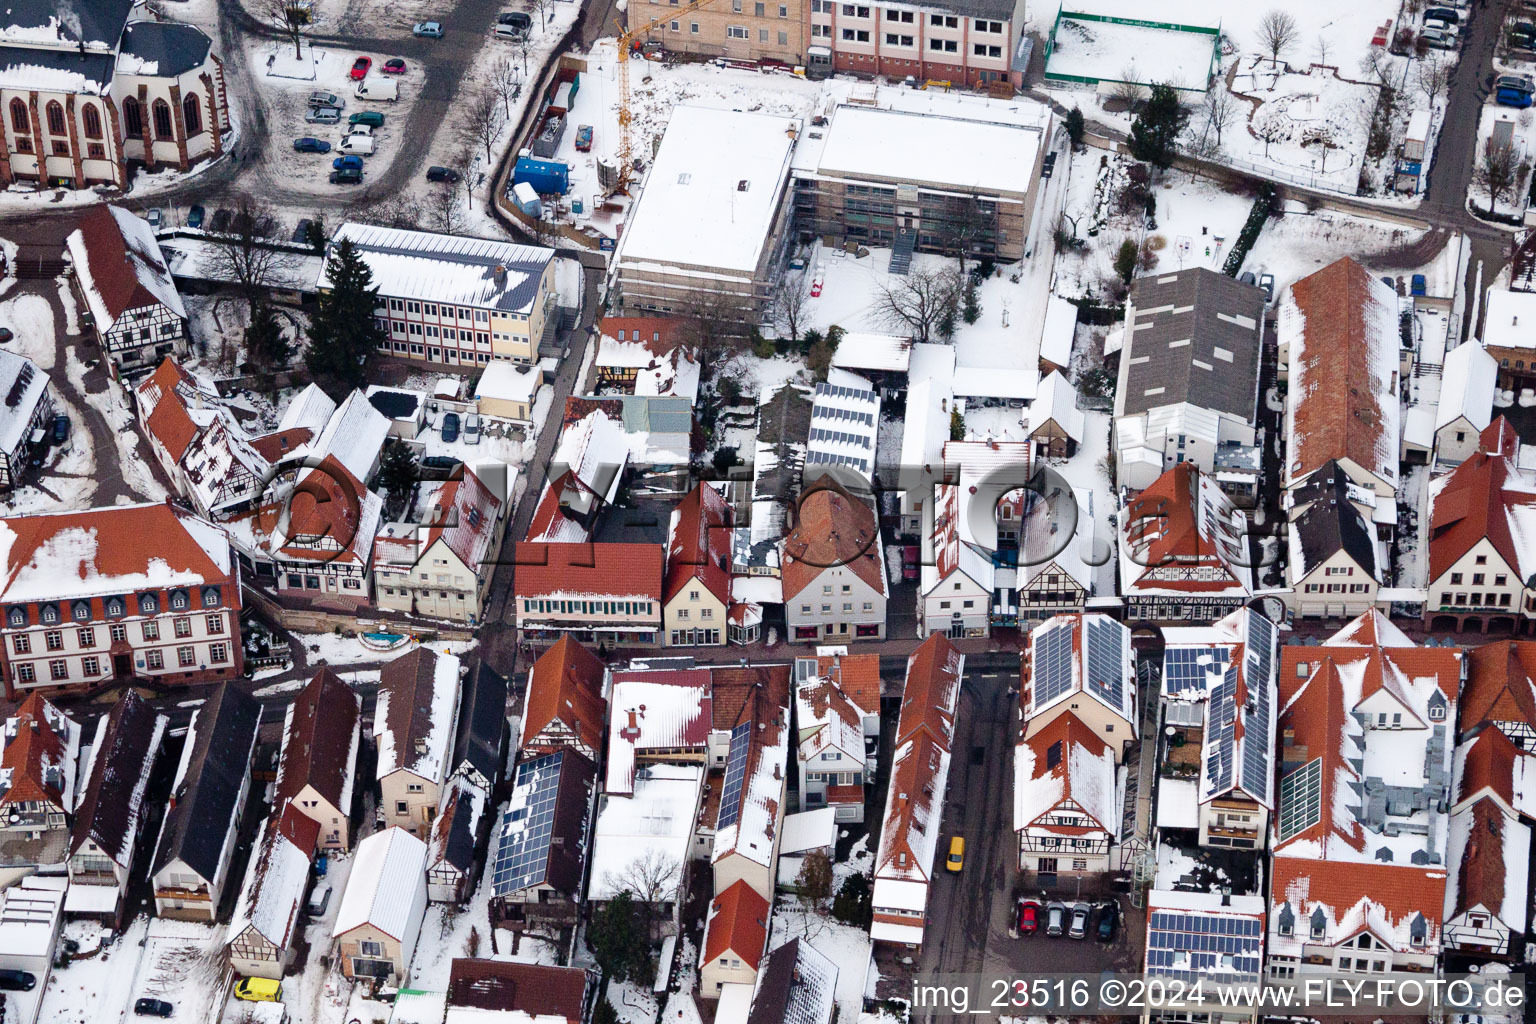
1221	734
1188	668
1106	661
1191	942
1301	799
735	774
1053	664
1256	743
522	845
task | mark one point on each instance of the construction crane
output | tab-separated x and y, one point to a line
627	37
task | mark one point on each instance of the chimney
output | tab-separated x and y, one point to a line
500	273
1226	895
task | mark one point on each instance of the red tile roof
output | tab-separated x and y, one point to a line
600	570
931	691
111	267
327	501
1487	767
857	675
34	747
279	443
534	989
319	746
673	331
566	683
1476	502
1481	873
738	922
1069	731
1166	526
555	518
833	528
1383	898
1501	683
168	421
700	546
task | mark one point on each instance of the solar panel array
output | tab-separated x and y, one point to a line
1053	664
833	459
522	844
1189	942
1221	735
843	391
857	440
1259	662
735	774
1188	668
1301	799
1106	661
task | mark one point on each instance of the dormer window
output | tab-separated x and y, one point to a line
179	600
1319	923
149	604
210	597
115	607
48	614
1286	920
1437	707
1418	930
81	610
16	617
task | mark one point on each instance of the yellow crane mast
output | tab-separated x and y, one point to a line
627	37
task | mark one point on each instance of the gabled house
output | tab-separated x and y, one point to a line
1501	690
123	280
1183	553
564	705
538	853
567	511
696	592
657	716
909	833
606	595
110	814
1358	854
202	818
1487	895
454	841
441	567
1468	382
1053	422
379	919
837	716
480	746
317	765
1080	665
797	983
37	788
260	935
518	993
646	355
955	589
750	820
198	442
834	568
1342	350
1065	810
735	937
1334	569
317	536
1189	372
413	727
29	408
1482	564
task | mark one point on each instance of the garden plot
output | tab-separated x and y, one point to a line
1313	124
1508	188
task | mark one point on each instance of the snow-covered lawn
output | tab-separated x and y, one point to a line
1296	244
97	990
1513	201
846	946
1311	122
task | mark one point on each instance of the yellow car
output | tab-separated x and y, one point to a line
956	859
259	990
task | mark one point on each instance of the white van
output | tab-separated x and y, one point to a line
361	145
379	89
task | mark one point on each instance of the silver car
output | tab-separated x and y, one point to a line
1079	929
323	115
1055	918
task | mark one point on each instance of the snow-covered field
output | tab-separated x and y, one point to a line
1312	121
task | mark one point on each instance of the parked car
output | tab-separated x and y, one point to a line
6	334
439	466
194	216
359	129
442	174
301	233
1450	28
517	18
385	90
360	68
322	115
319	899
325	99
362	145
1079	929
310	144
512	32
156	219
59	428
1029	917
1109	917
450	430
350	176
956	859
1055	918
1512	98
429	29
394	66
1417	285
153	1008
472	428
1437	40
347	163
1267	282
259	990
368	117
1246	277
17	981
584	138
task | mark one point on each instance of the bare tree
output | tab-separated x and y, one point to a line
1278	34
789	310
1269	131
920	303
1377	64
524	45
963	225
1128	89
1496	171
652	880
541	13
1434	75
483	118
508	83
291	18
715	326
246	256
1221	112
398	211
1321	46
444	206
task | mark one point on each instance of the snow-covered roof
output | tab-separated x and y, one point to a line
70	24
1195	934
861	350
386	869
1501	319
311	408
1467	386
274	884
354	435
1081	653
649	711
753	793
29	916
414	717
119	266
457	269
706	204
596	450
1061	770
657	821
508	382
191	255
1488	856
673	370
1056	401
809	830
1184	522
1059	331
995	382
23	386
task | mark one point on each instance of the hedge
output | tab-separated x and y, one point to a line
1262	207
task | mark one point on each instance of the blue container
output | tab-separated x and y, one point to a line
577	206
548	177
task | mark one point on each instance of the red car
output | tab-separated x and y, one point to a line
1029	917
360	68
394	66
